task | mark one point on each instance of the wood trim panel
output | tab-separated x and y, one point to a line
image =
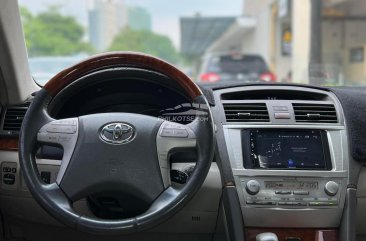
9	144
113	59
325	235
305	234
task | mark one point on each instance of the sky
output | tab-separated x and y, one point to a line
165	13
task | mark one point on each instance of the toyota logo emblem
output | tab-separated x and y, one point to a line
117	133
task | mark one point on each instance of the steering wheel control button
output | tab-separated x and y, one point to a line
63	132
48	137
53	128
64	139
66	129
180	133
252	187
172	136
167	132
174	130
66	122
331	188
172	125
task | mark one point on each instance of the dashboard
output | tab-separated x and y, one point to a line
288	150
288	156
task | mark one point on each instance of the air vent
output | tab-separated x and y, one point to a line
248	112
317	113
13	118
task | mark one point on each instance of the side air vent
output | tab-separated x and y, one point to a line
13	118
316	113
248	112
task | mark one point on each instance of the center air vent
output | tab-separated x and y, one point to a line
317	113
13	119
248	112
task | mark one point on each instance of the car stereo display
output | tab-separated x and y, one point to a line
286	149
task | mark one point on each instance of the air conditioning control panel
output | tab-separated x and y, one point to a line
298	193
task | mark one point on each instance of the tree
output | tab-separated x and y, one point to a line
146	42
49	33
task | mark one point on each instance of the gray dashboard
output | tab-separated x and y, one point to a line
269	207
266	207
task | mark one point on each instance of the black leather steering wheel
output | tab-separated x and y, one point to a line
123	151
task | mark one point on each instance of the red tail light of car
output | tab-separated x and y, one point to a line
268	77
209	77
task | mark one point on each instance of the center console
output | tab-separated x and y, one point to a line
293	177
289	157
281	149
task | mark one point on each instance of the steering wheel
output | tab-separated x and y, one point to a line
123	151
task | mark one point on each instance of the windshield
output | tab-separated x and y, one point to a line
291	41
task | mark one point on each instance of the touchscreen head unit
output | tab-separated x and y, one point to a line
286	149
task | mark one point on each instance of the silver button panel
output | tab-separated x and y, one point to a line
170	136
257	194
291	202
62	132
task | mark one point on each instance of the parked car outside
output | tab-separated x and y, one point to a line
235	67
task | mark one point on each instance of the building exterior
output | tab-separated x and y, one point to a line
340	30
299	45
108	17
198	33
271	35
283	31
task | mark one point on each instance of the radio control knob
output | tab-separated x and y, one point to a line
331	188
252	187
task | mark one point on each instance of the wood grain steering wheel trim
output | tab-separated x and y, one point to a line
114	59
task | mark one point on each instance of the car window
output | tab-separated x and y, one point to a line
291	41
